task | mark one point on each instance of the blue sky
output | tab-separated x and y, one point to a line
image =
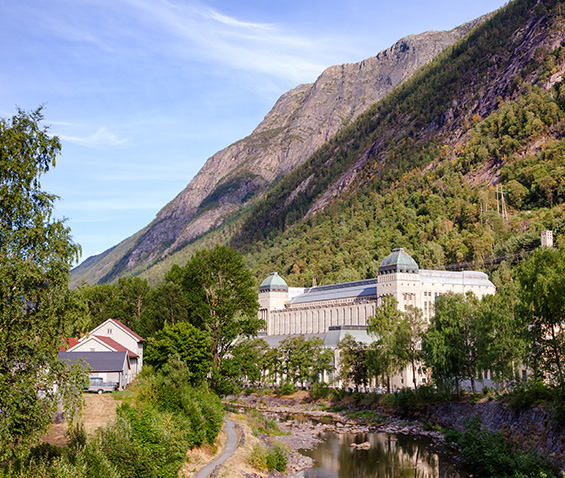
142	92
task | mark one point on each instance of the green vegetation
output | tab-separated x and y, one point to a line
185	342
490	454
261	424
265	458
149	438
36	253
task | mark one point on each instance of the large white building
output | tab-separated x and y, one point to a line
292	310
333	310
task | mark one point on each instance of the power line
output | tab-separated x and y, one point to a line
495	260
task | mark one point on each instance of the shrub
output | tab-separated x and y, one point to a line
286	389
277	458
258	458
320	390
490	454
527	395
268	459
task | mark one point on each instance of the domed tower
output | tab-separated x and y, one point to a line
273	292
273	295
399	276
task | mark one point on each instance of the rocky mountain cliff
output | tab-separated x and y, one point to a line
301	121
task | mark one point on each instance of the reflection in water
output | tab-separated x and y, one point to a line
390	456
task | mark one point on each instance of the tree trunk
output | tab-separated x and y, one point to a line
414	375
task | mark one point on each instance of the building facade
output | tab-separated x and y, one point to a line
293	311
323	311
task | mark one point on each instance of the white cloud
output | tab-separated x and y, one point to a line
192	31
100	138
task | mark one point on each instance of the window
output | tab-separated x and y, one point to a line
109	331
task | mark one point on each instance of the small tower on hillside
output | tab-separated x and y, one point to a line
546	238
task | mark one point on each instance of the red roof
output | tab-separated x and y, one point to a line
127	329
116	346
68	343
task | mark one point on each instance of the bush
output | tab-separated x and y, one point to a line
259	423
286	389
527	395
320	390
258	458
277	458
489	454
268	459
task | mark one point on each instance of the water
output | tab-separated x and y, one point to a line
394	456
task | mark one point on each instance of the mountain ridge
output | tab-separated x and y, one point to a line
301	121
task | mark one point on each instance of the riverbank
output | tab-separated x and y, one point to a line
302	422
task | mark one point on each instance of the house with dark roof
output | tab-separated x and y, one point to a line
108	366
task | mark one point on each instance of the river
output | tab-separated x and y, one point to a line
389	456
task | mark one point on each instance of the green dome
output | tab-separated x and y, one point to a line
273	283
398	261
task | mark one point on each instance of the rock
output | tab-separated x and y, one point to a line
361	446
301	121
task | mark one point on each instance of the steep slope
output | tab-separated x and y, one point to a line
419	169
403	132
300	122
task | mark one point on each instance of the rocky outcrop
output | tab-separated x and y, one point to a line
301	121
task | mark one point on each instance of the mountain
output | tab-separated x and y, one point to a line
301	121
462	165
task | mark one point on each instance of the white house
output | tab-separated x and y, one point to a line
113	336
109	366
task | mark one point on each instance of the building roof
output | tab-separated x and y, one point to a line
68	343
98	361
338	332
273	282
462	278
116	346
398	261
346	290
275	340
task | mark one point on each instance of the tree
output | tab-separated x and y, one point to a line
167	304
250	356
304	360
408	338
541	291
126	301
221	298
353	362
189	344
501	334
451	343
383	327
36	254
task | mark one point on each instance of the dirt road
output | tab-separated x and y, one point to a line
98	410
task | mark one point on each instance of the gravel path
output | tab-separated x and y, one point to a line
231	445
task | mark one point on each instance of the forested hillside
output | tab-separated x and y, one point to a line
420	169
301	121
